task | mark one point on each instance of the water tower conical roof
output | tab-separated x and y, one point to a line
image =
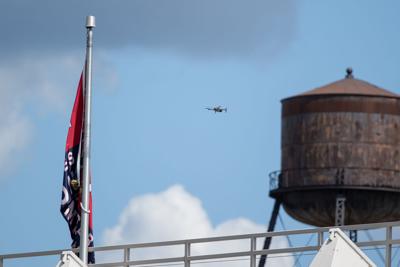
349	86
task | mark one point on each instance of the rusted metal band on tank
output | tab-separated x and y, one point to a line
340	103
283	190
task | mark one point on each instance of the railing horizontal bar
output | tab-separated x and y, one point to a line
257	252
371	243
287	250
220	256
141	245
233	255
366	226
34	254
378	243
139	262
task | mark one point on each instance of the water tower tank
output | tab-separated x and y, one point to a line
342	139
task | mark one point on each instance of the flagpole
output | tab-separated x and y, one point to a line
84	235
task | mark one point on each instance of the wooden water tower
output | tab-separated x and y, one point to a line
340	156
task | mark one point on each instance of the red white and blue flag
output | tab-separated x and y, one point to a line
71	206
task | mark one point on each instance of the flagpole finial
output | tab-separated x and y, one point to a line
90	22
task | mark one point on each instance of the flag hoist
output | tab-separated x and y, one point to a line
76	203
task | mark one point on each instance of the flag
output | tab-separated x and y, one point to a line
71	190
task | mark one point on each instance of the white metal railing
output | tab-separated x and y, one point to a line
251	254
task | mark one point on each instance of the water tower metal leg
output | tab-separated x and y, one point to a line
340	215
353	235
340	210
271	228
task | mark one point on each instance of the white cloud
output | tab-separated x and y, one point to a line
34	85
176	214
26	85
15	134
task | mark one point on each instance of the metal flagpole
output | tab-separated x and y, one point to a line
83	251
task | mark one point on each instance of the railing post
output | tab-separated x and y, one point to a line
187	254
388	258
1	262
253	247
320	238
127	256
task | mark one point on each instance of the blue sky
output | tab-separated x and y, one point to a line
154	73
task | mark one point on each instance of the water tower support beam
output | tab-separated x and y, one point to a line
340	210
340	215
353	235
271	227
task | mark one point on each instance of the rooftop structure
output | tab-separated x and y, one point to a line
248	256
